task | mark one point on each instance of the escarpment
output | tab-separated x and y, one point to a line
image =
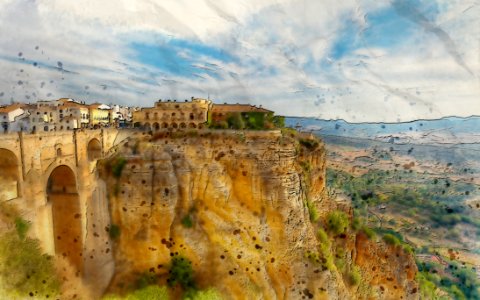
250	211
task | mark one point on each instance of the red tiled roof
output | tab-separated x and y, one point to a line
10	108
238	108
72	104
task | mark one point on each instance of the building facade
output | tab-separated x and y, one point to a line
100	115
173	115
8	114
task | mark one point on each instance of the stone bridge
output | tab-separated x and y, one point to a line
52	179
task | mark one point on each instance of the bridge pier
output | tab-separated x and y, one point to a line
54	206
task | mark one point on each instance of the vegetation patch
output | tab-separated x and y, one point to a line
114	231
145	280
391	239
26	272
181	273
152	292
117	166
187	221
337	222
324	254
22	227
310	144
312	211
355	276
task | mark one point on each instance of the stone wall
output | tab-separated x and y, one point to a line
54	202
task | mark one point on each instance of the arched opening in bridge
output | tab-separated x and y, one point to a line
156	126
192	125
147	127
183	125
137	125
94	150
174	125
66	216
164	125
9	176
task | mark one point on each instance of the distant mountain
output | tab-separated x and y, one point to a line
449	130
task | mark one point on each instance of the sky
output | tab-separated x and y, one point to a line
361	61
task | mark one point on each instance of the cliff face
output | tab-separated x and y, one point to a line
236	205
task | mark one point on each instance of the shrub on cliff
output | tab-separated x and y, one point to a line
208	294
337	222
312	211
181	272
145	279
354	276
26	272
117	166
325	254
391	239
369	232
309	144
278	121
235	121
152	292
22	227
187	221
427	287
114	231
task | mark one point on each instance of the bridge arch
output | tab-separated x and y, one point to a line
94	149
156	126
9	175
62	194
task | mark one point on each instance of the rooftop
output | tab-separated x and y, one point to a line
238	107
11	107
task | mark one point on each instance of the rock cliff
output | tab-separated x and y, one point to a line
249	210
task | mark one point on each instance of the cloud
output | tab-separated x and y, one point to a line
356	60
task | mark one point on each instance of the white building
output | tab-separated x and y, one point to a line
8	114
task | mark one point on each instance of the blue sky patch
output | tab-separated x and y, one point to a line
386	28
180	57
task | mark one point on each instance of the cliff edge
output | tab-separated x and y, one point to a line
250	211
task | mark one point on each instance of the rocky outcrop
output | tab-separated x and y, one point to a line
239	206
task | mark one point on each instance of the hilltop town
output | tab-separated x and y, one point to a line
196	113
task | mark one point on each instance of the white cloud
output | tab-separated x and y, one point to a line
282	49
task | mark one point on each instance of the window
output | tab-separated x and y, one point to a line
147	116
45	128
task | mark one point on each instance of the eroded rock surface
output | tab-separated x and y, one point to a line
235	204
